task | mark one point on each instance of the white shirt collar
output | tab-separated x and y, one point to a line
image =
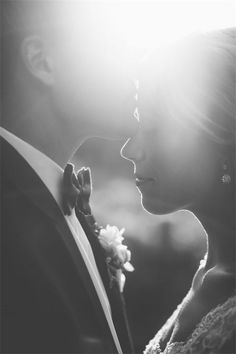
49	171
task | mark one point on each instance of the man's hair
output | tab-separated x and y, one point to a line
22	17
53	20
19	18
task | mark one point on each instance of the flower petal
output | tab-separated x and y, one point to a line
128	267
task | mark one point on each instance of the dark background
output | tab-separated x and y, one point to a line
166	250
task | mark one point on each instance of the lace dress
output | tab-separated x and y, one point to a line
208	337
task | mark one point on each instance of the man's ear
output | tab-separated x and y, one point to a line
37	59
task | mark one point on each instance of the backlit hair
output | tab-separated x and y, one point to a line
198	78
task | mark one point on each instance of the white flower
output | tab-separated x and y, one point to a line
112	235
111	239
123	253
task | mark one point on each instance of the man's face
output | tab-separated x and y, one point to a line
94	89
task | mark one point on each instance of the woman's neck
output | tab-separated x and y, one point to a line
220	230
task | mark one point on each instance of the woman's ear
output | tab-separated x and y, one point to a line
37	59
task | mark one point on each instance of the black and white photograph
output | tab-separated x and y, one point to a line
117	177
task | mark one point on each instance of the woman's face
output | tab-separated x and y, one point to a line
175	165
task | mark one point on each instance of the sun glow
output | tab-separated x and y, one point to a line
134	28
147	24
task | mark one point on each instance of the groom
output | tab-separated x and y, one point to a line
62	82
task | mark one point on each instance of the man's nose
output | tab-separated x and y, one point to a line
132	151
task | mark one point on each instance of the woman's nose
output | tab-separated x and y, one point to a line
132	150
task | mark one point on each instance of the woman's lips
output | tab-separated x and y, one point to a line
140	181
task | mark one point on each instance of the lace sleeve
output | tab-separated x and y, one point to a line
229	347
153	346
215	334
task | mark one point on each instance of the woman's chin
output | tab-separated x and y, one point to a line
157	206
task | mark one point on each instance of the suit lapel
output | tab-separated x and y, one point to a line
99	255
26	179
116	298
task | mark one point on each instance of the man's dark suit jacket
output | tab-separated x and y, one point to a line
48	301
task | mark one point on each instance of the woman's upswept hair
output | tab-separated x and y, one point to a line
200	83
220	90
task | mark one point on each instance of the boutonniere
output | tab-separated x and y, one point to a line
117	255
76	194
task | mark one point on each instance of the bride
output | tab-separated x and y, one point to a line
184	158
